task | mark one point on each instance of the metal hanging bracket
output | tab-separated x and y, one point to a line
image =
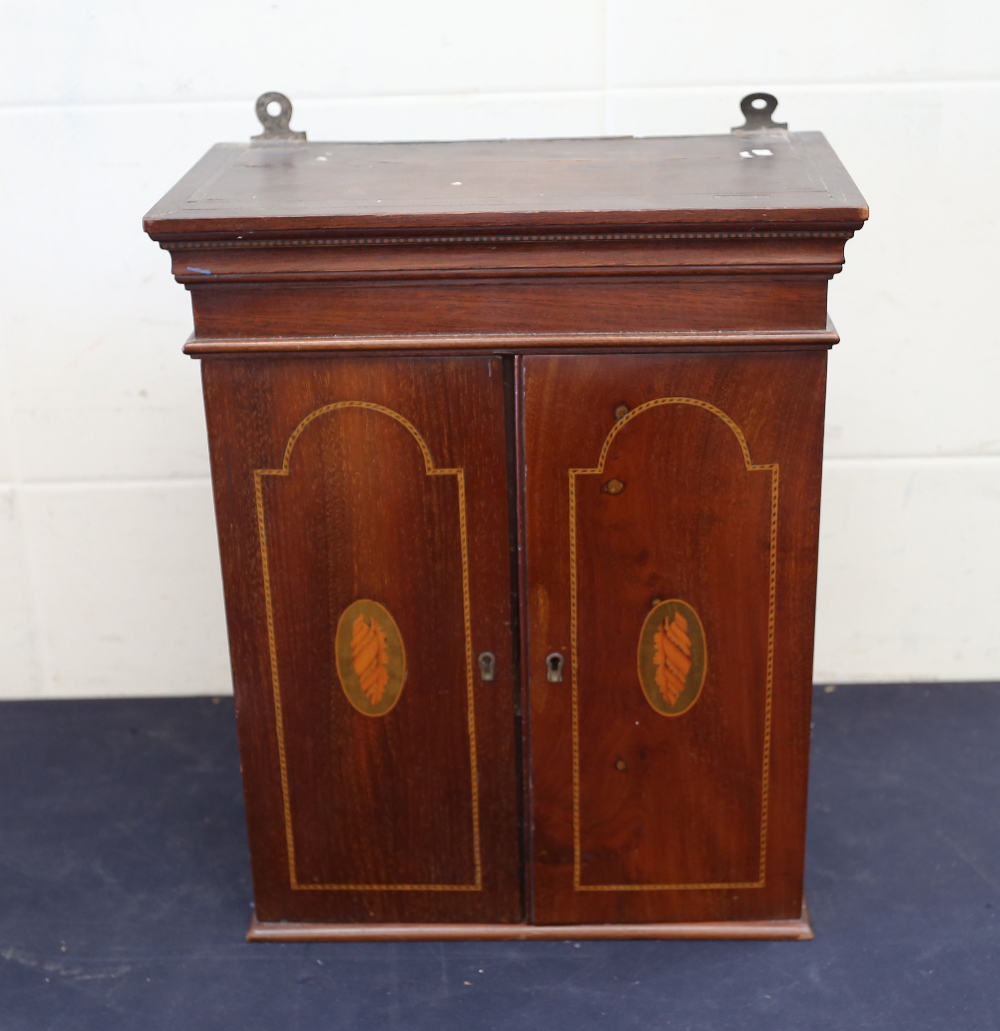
276	127
757	109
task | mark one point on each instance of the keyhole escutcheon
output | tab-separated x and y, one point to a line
554	667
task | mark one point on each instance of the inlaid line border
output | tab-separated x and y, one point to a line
771	467
430	470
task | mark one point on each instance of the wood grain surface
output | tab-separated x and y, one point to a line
353	479
764	930
240	188
612	304
639	816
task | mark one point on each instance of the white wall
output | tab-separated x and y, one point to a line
109	578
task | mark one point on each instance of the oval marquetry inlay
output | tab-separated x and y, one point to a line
371	660
672	659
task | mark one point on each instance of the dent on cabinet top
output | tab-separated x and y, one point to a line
769	179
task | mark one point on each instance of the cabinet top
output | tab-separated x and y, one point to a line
747	180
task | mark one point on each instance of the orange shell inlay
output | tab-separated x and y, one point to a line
672	657
370	656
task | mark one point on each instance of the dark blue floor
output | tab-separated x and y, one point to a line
124	894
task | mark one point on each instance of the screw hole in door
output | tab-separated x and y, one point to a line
554	668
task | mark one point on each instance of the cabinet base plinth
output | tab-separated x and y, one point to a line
773	930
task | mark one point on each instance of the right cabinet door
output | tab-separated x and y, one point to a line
672	508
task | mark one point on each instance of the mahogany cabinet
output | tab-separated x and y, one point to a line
516	451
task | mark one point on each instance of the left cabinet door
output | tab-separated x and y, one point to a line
362	514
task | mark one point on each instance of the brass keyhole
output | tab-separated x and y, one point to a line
487	667
554	668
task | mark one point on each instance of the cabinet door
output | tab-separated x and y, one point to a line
672	514
362	512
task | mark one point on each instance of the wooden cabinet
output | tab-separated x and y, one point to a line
516	451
